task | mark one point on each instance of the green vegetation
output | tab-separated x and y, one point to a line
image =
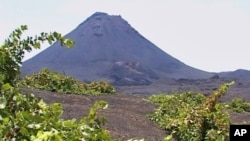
191	116
53	81
24	117
238	105
13	48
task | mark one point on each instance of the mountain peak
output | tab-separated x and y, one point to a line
99	13
101	23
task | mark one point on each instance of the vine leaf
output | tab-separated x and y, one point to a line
3	102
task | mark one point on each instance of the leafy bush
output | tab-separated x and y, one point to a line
191	116
24	117
53	81
238	105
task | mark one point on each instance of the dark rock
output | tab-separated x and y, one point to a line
215	76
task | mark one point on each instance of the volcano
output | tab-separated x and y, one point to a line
109	48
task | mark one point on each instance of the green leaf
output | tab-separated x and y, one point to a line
3	102
24	27
69	123
57	109
69	43
37	45
105	106
34	125
6	87
57	138
92	112
24	131
26	115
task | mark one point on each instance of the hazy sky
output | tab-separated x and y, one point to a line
212	35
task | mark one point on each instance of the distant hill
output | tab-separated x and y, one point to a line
108	48
237	74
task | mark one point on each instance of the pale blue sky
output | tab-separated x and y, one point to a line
212	35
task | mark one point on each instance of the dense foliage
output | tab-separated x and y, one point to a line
238	105
24	117
191	116
53	81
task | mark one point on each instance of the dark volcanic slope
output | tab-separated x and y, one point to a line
107	47
237	74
